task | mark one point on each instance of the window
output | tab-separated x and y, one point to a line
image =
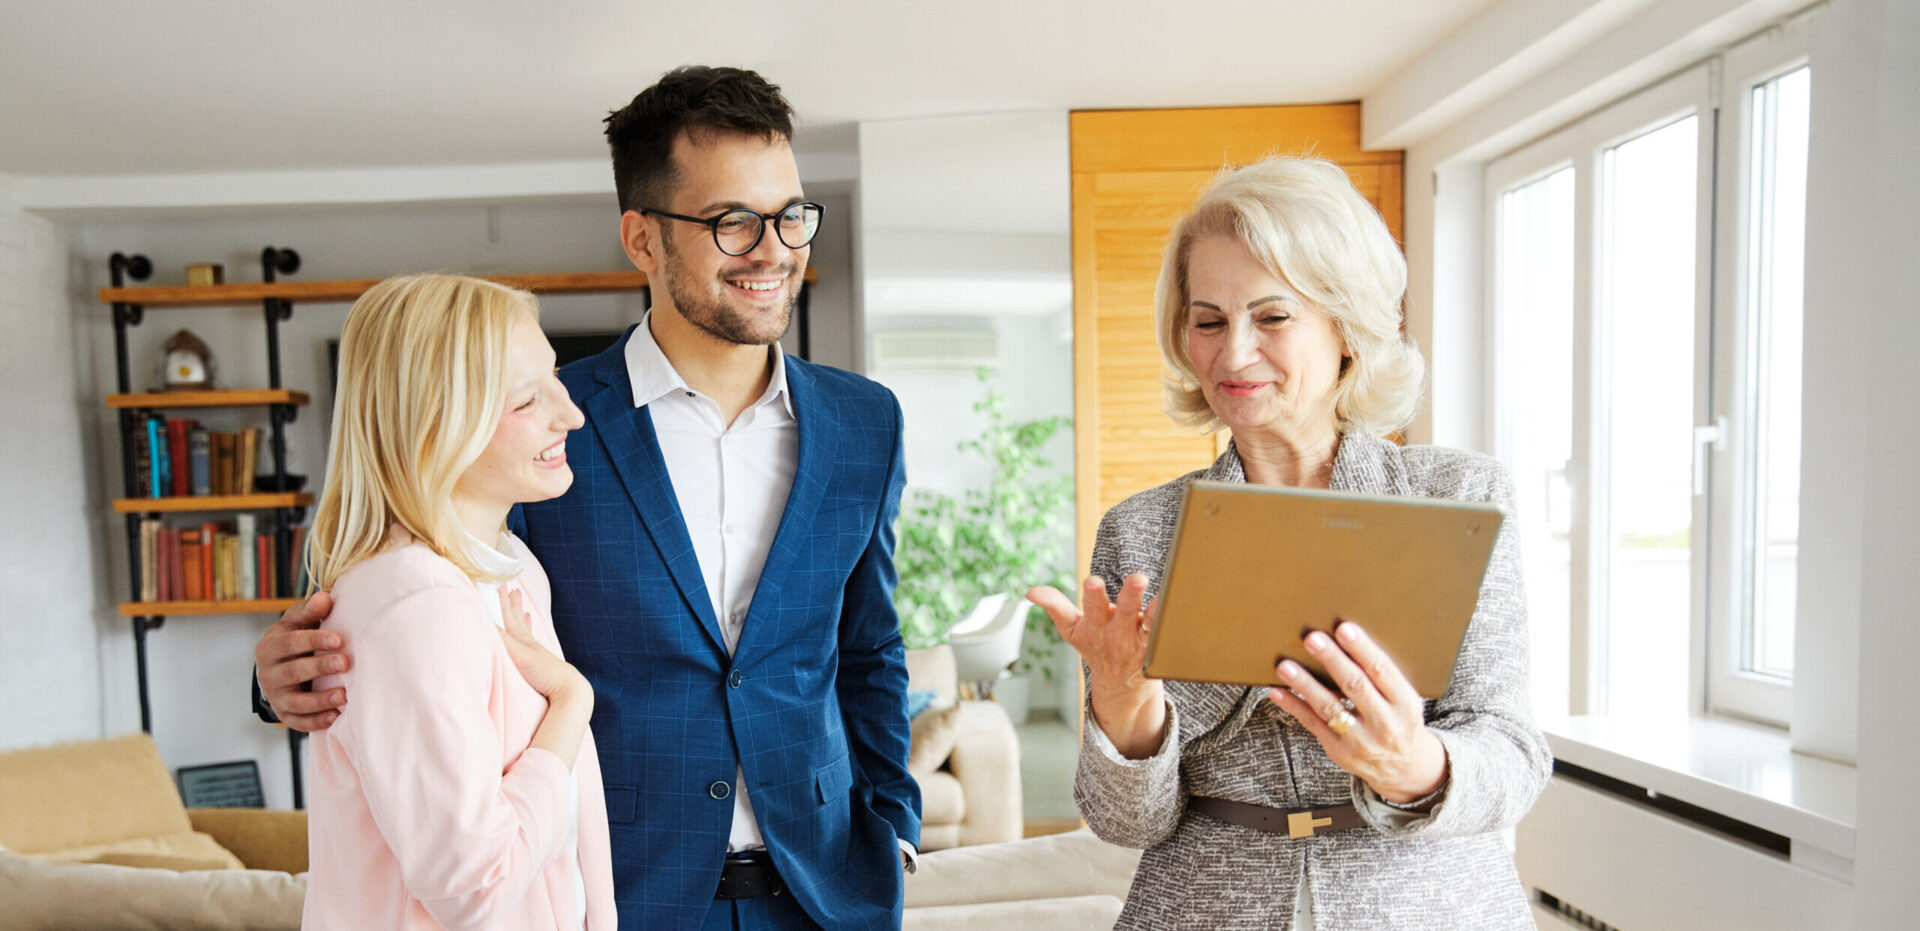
1765	120
1645	369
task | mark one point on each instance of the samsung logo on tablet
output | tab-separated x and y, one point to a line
1339	523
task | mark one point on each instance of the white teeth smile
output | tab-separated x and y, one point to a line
756	285
552	452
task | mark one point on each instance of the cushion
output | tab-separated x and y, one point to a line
918	700
45	895
934	734
159	861
941	800
187	845
87	794
1090	912
931	669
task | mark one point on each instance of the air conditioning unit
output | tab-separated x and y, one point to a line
934	349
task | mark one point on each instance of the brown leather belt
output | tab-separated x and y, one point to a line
1305	822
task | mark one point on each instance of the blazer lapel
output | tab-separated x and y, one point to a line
627	434
1368	464
817	425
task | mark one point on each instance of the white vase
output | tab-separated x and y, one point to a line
1015	694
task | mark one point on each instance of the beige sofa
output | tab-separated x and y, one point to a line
1062	881
93	835
966	758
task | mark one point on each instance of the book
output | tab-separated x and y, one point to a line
177	457
263	560
191	555
249	458
157	479
297	563
222	463
199	450
209	533
170	566
246	529
142	462
145	584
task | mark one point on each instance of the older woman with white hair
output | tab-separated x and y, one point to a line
1278	313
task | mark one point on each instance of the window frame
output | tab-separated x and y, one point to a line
1731	689
1583	144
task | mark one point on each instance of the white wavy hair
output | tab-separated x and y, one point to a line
1303	220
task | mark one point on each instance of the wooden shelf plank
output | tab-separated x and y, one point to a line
179	608
244	397
301	292
259	502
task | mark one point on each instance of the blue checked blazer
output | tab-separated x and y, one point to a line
811	706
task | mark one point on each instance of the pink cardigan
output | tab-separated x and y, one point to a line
427	808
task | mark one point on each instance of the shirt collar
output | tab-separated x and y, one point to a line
495	559
653	377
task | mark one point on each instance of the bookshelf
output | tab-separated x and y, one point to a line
277	510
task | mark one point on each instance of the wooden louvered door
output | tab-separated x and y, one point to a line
1134	173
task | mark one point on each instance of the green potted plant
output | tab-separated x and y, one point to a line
1006	537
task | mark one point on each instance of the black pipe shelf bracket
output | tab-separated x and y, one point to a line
273	262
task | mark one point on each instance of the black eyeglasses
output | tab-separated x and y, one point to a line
738	231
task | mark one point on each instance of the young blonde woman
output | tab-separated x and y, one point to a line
460	788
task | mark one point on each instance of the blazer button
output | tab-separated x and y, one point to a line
720	790
735	678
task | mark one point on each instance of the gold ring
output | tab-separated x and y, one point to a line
1341	723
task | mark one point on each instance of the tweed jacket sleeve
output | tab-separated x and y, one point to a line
1498	761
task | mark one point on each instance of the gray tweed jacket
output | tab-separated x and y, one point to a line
1449	868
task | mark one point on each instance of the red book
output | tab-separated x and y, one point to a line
177	451
208	533
264	560
191	554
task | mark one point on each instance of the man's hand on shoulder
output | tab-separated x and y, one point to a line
293	653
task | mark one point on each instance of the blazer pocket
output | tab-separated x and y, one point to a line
833	782
622	802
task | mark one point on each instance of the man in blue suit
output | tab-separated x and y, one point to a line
722	566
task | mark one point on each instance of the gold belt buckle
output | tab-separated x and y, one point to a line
1301	824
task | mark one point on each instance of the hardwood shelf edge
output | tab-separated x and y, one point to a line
349	289
225	397
186	608
176	505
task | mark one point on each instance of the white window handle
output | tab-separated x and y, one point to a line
1714	435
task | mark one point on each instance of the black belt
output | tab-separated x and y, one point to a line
745	875
1302	823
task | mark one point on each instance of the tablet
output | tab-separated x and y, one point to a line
1254	568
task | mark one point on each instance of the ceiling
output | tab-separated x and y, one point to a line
132	87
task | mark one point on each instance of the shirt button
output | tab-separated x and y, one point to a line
735	678
720	790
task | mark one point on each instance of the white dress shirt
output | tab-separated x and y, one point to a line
732	482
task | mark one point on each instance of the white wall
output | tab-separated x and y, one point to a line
199	666
1862	339
51	620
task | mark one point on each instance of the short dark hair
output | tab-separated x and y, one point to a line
695	100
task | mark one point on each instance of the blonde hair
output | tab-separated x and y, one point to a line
423	361
1303	220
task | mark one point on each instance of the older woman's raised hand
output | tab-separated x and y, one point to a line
1383	739
1111	637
